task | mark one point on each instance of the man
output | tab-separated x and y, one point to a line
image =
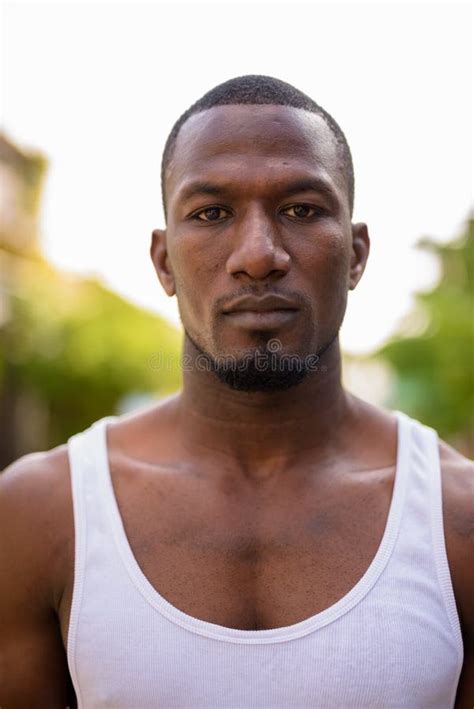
263	538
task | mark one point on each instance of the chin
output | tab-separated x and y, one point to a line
250	379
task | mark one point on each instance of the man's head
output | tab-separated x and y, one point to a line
255	90
259	246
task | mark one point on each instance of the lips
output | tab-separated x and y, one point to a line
266	304
268	312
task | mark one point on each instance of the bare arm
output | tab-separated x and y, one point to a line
34	541
458	503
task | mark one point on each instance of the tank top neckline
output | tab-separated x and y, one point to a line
272	635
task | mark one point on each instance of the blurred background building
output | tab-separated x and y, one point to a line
71	350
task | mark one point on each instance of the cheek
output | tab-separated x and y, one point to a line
330	260
196	266
329	273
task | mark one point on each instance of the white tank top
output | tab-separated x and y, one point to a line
393	641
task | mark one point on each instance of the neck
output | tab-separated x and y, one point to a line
262	431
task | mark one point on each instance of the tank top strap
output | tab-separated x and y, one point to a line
437	526
89	465
422	528
88	475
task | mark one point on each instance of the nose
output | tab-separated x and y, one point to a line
257	249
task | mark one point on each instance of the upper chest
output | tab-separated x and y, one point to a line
254	557
247	558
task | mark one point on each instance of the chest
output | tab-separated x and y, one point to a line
250	561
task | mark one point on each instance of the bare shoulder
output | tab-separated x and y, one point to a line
36	552
36	518
35	467
458	493
458	512
42	475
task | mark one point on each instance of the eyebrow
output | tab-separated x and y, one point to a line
197	188
310	184
304	184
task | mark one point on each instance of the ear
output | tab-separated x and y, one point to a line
159	256
360	253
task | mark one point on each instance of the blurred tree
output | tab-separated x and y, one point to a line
80	349
70	350
434	369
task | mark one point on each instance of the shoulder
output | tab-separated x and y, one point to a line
458	491
33	468
35	552
457	474
36	478
36	521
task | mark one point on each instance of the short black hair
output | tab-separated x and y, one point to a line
255	89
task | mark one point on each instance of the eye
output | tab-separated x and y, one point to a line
301	211
211	214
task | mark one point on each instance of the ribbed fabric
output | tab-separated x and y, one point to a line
393	641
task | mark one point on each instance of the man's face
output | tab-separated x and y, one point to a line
257	206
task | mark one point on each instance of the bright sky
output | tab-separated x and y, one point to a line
97	87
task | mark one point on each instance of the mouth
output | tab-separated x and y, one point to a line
262	319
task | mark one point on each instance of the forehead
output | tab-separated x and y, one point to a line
251	141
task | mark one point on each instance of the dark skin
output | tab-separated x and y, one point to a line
233	466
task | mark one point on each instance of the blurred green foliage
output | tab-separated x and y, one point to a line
80	348
71	351
435	369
